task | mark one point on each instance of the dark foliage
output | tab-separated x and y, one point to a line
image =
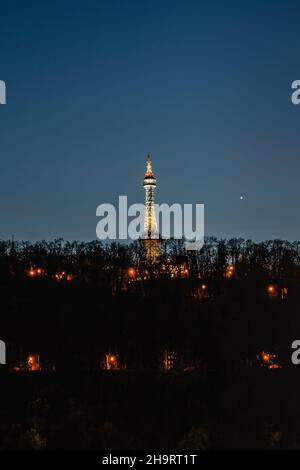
215	396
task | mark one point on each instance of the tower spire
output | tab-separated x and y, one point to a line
149	165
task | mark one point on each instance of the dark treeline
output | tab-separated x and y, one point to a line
218	393
104	309
276	258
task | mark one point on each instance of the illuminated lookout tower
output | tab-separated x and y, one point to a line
150	238
150	226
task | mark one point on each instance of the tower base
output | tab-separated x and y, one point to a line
151	250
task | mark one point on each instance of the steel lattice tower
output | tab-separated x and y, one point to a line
150	226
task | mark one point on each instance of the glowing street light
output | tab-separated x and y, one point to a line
229	271
131	272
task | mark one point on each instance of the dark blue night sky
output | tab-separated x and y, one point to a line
93	86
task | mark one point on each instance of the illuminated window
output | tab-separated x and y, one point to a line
169	359
33	362
111	362
284	293
268	360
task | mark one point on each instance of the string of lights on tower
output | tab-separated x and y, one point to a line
150	225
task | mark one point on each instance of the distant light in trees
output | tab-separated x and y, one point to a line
131	272
34	272
229	271
33	362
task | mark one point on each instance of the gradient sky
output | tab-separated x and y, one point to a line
93	86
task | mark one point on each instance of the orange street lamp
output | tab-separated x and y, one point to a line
271	289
